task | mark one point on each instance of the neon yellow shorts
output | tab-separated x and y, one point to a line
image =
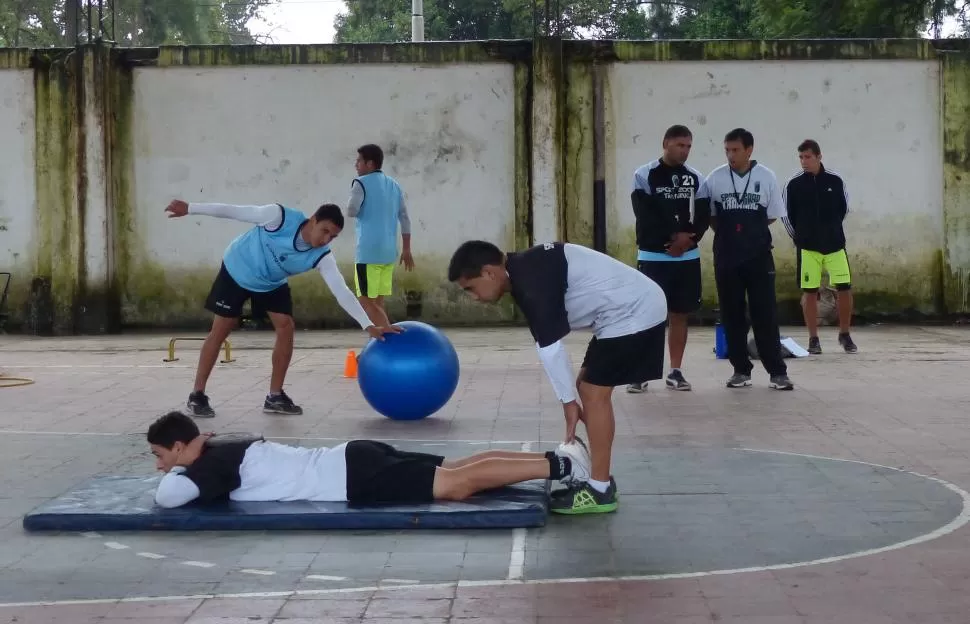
374	280
812	263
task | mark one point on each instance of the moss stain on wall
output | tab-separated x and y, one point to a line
578	153
59	137
956	182
119	126
436	52
778	50
158	297
522	118
908	286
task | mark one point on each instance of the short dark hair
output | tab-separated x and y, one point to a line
330	212
470	257
171	428
677	131
810	145
373	153
740	134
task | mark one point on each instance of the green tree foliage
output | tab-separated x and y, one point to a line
390	20
43	23
462	20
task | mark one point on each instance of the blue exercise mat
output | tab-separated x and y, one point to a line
127	504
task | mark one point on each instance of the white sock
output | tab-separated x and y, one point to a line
674	370
599	486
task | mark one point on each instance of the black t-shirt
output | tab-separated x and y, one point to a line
662	204
539	277
564	286
216	471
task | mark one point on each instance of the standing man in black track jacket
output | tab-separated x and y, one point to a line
816	204
673	212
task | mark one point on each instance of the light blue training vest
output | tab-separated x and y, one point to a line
378	218
261	260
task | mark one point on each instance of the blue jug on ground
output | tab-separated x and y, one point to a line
720	340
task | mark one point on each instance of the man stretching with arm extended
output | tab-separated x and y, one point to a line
257	266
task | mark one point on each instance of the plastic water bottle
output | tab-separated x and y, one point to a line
720	340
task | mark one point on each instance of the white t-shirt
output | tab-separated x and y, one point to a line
743	206
258	471
562	286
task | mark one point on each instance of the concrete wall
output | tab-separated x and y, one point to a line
891	156
258	134
17	195
514	142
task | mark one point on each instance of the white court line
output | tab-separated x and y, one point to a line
322	577
149	555
962	519
259	572
91	534
198	564
517	556
116	546
400	581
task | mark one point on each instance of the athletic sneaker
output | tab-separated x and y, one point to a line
739	380
676	381
281	404
781	382
198	405
846	341
636	388
814	346
584	499
579	458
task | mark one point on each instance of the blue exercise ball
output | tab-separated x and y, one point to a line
410	375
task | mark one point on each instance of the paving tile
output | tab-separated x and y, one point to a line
692	499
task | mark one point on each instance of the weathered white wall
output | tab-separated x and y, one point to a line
17	192
290	135
878	124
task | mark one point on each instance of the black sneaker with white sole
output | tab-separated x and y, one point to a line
739	380
198	405
781	382
636	388
676	381
280	404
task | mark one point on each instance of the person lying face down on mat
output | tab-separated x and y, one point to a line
359	472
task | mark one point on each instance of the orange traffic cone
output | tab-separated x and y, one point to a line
350	365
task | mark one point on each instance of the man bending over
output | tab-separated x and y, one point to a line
560	287
359	472
257	265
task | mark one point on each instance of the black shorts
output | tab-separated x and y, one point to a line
226	298
680	281
379	474
636	358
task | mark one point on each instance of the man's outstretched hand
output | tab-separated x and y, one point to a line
573	414
177	208
377	332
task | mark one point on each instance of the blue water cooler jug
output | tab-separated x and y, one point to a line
720	340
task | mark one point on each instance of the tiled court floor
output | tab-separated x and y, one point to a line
841	502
